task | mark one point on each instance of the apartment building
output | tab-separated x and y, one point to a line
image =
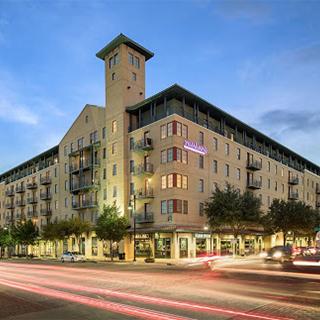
158	159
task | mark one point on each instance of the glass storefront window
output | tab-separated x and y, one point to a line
183	247
227	246
143	248
249	245
94	246
201	247
163	248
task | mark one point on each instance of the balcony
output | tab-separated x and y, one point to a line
84	165
144	145
144	194
86	204
85	185
145	217
45	196
318	190
20	203
92	146
32	200
293	195
143	169
293	180
10	192
9	205
20	217
254	165
20	189
32	214
32	185
45	212
45	180
254	184
9	219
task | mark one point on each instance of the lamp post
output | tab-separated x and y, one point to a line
132	207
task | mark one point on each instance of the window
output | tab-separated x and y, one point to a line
276	186
164	207
66	185
114	170
185	131
104	194
170	206
104	173
178	154
179	129
201	185
56	204
94	136
184	182
133	76
114	193
184	156
169	129
113	76
238	153
215	166
185	207
55	188
86	119
227	149
104	153
80	143
178	181
114	148
163	156
170	154
269	183
282	172
55	172
276	169
103	132
114	60
136	62
130	58
201	209
170	180
71	147
131	188
268	201
226	170
131	166
238	174
131	143
178	206
65	151
282	188
201	138
201	162
66	202
114	126
163	131
215	144
269	166
163	182
65	168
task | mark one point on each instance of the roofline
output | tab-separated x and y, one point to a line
122	39
225	114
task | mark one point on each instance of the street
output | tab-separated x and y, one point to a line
245	290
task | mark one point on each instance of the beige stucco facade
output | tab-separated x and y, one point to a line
133	152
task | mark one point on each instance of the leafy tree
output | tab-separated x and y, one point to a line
78	227
50	233
25	233
290	216
111	226
229	209
6	240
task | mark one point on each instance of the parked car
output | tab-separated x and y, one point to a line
280	254
72	257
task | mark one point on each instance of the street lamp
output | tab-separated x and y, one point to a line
132	207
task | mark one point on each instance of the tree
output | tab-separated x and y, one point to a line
290	216
25	233
50	233
78	227
6	240
229	209
111	226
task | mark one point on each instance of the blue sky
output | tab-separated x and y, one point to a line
258	60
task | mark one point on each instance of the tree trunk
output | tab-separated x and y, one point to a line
56	248
284	238
111	250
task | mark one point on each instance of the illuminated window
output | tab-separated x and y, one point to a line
179	129
163	131
184	156
114	126
170	129
178	181
185	131
201	185
170	180
163	182
184	182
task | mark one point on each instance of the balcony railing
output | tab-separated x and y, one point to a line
45	196
45	180
293	180
293	195
144	145
10	192
254	165
20	203
143	169
92	145
9	205
9	219
45	212
84	165
86	204
32	214
144	193
85	185
32	185
31	200
254	184
20	189
145	217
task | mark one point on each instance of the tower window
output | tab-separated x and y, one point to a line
134	76
113	76
130	58
137	62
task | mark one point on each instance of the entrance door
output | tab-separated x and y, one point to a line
163	248
183	247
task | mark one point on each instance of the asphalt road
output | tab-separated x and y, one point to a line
237	290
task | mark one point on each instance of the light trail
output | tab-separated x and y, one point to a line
139	312
150	300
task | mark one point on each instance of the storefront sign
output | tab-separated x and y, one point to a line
195	147
142	236
202	235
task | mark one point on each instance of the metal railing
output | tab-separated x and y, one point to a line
293	180
144	193
254	165
143	145
45	180
45	195
20	203
293	195
32	185
20	189
145	217
45	212
84	204
10	192
254	184
31	200
143	169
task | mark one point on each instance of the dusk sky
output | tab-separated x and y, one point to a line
257	60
